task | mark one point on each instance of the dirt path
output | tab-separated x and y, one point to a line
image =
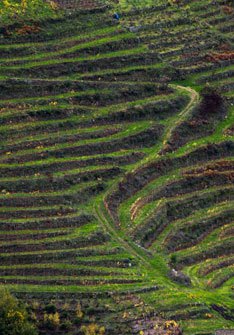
125	242
134	249
194	100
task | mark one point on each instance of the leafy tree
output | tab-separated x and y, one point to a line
13	316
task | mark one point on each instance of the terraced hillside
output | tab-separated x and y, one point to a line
116	165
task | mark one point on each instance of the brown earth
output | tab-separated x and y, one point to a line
78	4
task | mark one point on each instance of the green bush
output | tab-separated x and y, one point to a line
173	259
66	325
50	308
52	320
13	316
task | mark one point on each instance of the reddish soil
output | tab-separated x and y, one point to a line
141	177
76	5
215	57
210	168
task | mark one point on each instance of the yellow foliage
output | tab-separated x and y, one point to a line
33	317
53	103
16	315
53	319
170	323
79	312
53	5
35	304
93	329
102	330
24	5
66	306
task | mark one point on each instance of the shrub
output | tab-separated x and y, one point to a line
79	313
52	321
50	308
14	319
173	259
92	329
66	325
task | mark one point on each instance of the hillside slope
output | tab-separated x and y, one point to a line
116	165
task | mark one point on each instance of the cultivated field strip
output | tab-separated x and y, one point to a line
115	164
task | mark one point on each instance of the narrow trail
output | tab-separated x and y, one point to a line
136	250
194	100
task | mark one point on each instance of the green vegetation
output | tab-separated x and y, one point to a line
116	165
15	11
13	316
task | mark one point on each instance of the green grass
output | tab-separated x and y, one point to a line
161	56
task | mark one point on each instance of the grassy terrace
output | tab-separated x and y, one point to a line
116	167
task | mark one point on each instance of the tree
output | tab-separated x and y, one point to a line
13	316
